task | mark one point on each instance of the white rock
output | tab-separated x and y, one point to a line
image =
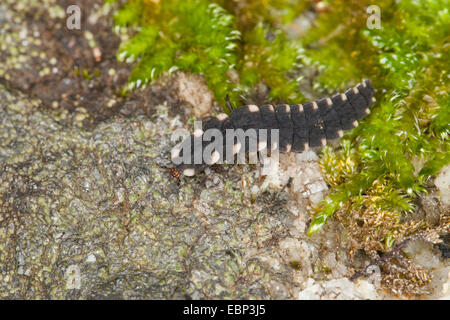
440	284
91	258
307	156
338	289
442	182
423	254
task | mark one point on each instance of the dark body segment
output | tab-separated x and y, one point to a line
270	121
324	107
283	114
344	110
300	135
216	122
246	117
330	119
298	116
357	101
316	133
268	116
366	92
317	136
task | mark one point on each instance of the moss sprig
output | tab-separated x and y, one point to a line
405	140
234	45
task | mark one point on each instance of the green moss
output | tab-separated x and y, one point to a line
233	48
408	60
194	36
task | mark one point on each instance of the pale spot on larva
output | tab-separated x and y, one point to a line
288	147
373	99
253	108
355	90
343	97
367	111
355	123
306	146
198	133
364	84
315	106
286	107
262	145
236	147
189	172
323	141
340	133
221	116
300	107
215	157
329	102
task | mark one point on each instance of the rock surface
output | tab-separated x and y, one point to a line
92	212
442	182
98	203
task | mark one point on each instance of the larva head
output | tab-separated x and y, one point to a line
175	173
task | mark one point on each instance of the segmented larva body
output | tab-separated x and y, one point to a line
301	126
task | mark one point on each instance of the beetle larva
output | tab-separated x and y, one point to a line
300	126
